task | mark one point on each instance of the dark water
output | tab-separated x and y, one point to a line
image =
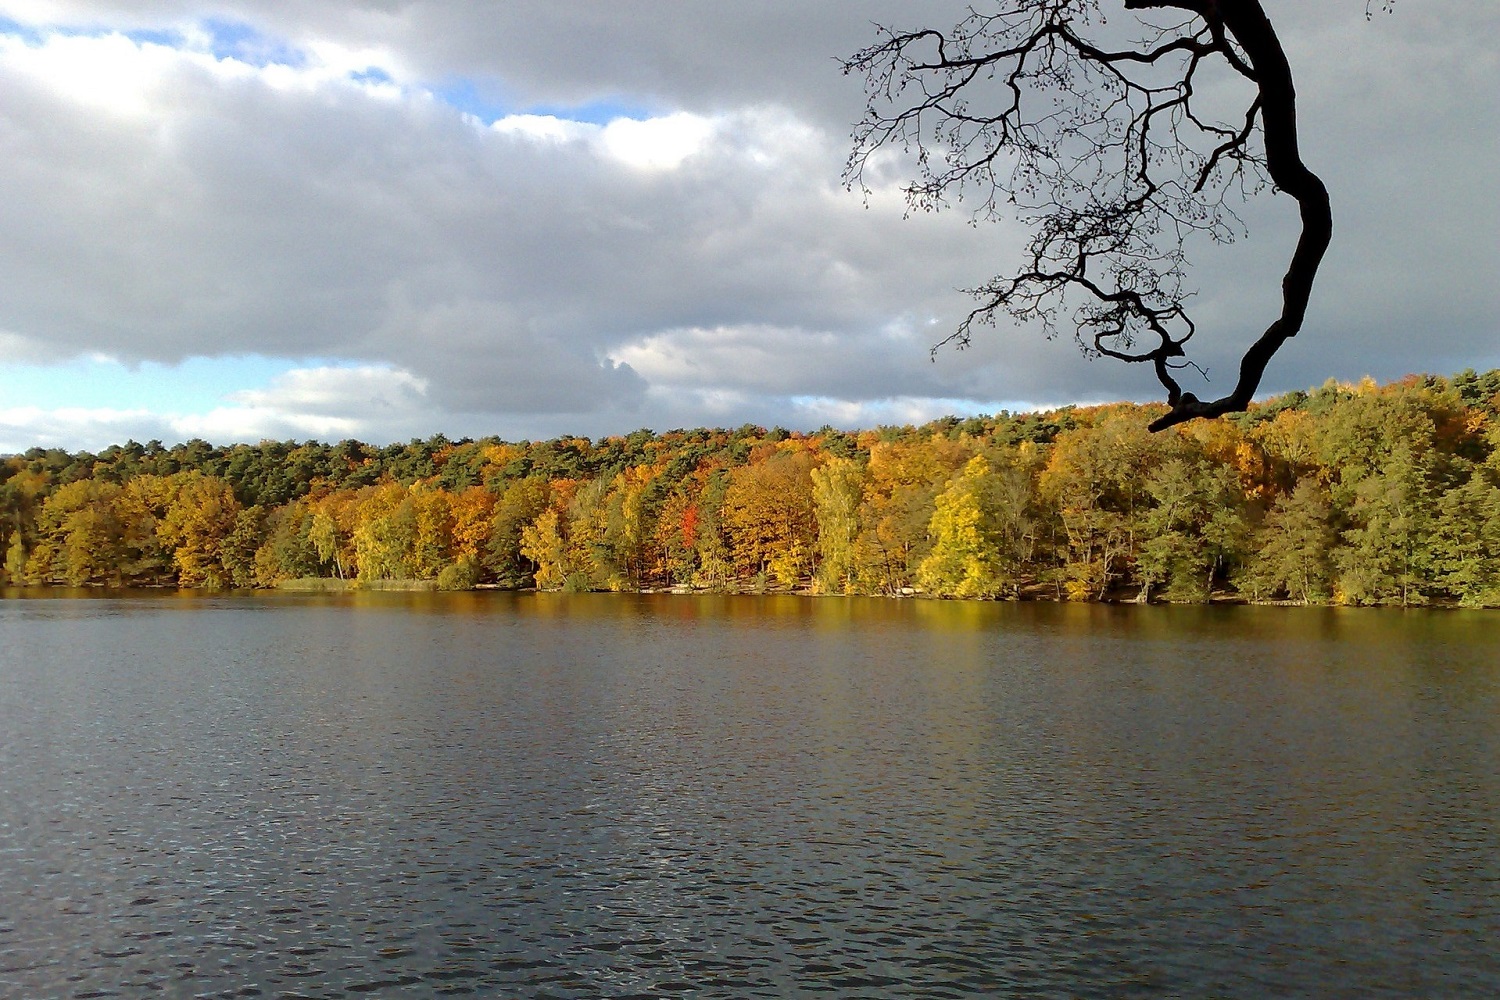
595	796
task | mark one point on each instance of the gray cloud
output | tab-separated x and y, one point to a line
715	271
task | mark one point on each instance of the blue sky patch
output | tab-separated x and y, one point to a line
196	385
237	40
372	74
488	103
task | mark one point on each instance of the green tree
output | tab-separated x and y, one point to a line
1384	556
1194	532
1294	548
593	562
1465	542
287	553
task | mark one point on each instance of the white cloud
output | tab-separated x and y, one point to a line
656	143
647	144
549	128
23	427
330	390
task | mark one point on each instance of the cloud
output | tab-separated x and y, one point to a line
328	391
535	218
24	427
649	144
327	402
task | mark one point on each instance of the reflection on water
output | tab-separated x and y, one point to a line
585	796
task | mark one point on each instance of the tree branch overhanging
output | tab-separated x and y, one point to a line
1105	146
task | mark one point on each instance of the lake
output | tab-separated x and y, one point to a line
652	795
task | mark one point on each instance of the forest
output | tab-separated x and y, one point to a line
1350	494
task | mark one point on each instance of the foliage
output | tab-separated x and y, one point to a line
1362	494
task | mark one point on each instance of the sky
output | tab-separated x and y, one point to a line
375	219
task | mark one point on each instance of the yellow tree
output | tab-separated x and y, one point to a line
964	560
902	483
335	515
432	531
20	490
630	524
140	506
1289	443
78	536
838	489
1094	478
542	542
202	515
324	535
384	532
473	512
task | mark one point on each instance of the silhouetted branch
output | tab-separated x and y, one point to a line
1040	110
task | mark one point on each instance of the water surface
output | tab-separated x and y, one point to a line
611	796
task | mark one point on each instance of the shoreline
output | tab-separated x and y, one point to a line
319	585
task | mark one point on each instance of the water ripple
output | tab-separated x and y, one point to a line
339	800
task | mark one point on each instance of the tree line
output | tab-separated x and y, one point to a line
1356	494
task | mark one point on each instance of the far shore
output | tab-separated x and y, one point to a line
1033	594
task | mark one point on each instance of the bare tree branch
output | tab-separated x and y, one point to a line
1041	109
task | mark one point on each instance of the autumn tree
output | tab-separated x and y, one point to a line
675	535
769	515
1123	145
1094	482
964	560
386	533
838	489
202	515
78	536
630	520
143	555
518	505
15	558
240	545
542	542
903	481
432	531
